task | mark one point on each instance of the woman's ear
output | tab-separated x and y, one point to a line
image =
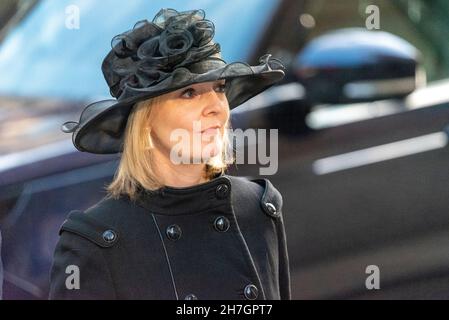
149	145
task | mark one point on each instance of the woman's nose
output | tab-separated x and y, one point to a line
213	102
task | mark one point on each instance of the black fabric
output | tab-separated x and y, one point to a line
79	223
145	263
149	52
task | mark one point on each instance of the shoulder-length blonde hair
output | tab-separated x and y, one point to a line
136	168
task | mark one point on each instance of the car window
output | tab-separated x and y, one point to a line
419	22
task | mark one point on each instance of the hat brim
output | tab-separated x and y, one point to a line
102	124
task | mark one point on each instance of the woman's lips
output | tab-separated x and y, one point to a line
211	131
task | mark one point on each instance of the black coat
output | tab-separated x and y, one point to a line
223	239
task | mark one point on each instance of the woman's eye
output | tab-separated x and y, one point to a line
188	93
221	88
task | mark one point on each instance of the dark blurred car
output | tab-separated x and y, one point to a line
364	179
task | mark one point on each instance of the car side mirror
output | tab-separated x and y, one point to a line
357	65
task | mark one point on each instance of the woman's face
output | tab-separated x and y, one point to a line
179	123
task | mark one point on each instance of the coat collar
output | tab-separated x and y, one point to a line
187	200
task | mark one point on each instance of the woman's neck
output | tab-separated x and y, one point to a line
177	175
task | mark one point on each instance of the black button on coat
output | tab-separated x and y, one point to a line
223	239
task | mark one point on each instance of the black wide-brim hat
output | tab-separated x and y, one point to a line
173	51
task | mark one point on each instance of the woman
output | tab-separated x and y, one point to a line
173	225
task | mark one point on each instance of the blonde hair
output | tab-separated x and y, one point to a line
136	171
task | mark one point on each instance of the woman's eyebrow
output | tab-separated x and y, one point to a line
216	82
